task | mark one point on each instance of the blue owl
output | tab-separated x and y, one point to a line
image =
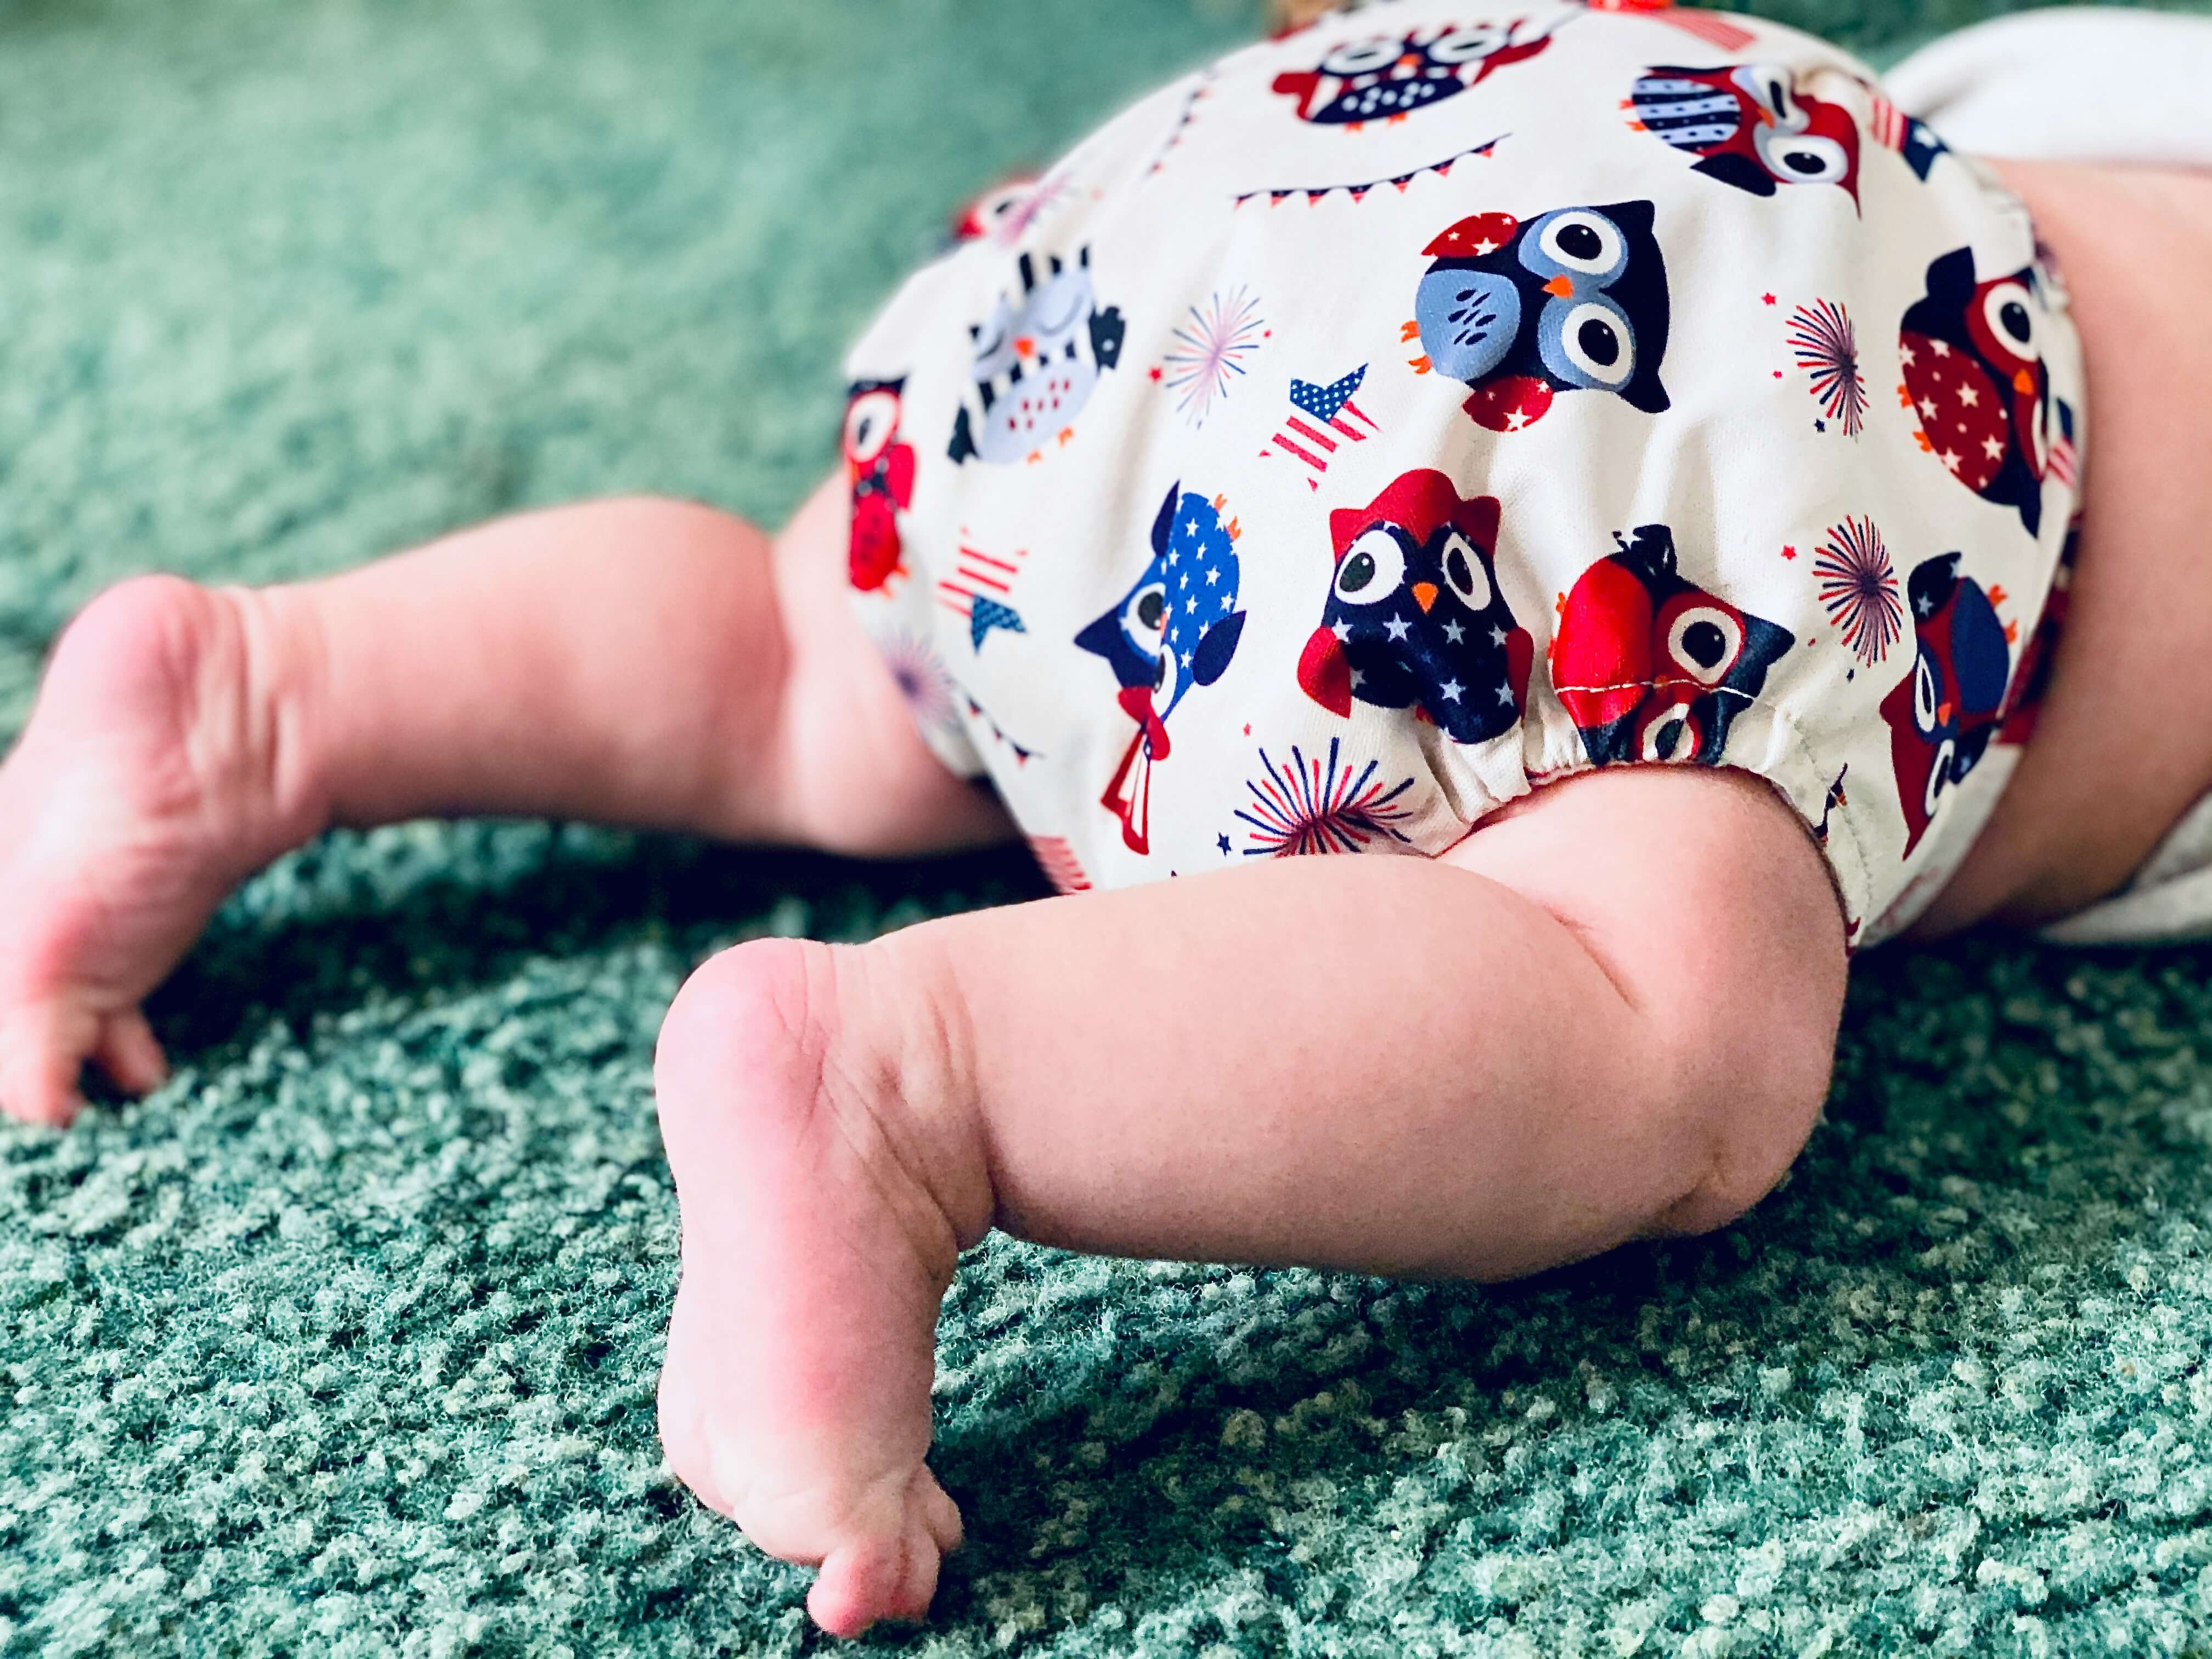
1175	629
1574	300
1035	364
1414	617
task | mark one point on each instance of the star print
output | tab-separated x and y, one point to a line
1184	581
1905	355
1505	696
1927	408
1174	554
1993	449
1820	425
1484	246
1767	298
1342	630
1452	632
1186	660
1941	347
1221	841
1213	575
1515	419
1155	373
1950	459
1190	527
1395	627
1451	690
1968	397
1497	636
1789	552
1357	679
1190	606
1924	605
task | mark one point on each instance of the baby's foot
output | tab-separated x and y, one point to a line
145	787
795	1395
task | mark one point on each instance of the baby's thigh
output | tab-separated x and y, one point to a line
860	777
1703	895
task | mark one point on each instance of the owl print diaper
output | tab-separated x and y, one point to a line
1393	418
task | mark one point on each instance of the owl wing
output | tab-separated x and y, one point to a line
1468	320
1962	410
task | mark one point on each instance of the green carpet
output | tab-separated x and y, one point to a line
345	1342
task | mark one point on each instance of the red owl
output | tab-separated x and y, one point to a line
1750	126
1974	372
881	470
1651	667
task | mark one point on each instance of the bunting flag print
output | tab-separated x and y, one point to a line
978	591
1277	194
1317	412
1058	861
1710	27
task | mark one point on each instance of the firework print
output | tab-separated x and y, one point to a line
1278	194
977	592
1322	419
1210	352
1321	806
1859	591
1826	348
1299	579
921	680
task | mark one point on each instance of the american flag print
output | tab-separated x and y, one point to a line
978	591
1709	27
1913	139
1322	419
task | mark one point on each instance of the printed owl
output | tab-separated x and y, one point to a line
1387	77
1749	126
881	471
1036	364
1943	714
1414	617
1973	354
1652	667
1572	300
1174	630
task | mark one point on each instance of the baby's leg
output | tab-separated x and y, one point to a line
1614	1017
643	662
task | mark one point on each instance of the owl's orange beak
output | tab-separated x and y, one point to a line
1943	714
1424	595
1563	286
1025	346
2024	383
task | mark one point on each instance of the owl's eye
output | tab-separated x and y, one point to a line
1768	84
1054	310
1466	46
1578	239
1463	571
2008	310
1923	696
1596	340
1164	677
869	424
1801	158
1145	615
1703	642
1363	57
1374	568
1939	777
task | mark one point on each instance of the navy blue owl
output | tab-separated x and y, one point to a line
1414	619
1175	629
1387	77
1574	300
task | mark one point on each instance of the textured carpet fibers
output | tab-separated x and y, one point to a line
345	1342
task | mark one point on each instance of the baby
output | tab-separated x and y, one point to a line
1613	460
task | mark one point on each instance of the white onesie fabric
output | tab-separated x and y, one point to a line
1394	416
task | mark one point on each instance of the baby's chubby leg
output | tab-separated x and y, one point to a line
636	661
1607	1014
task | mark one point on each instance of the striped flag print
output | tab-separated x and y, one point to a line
977	590
1058	861
1321	421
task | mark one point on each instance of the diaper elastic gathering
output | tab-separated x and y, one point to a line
1391	419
